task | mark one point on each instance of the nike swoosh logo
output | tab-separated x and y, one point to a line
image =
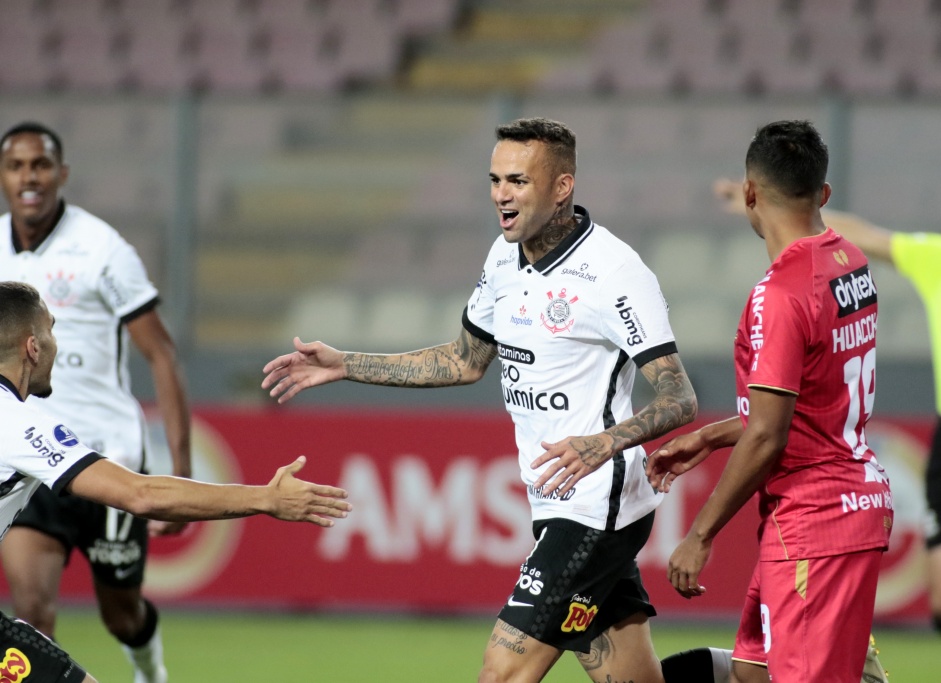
123	573
515	603
500	297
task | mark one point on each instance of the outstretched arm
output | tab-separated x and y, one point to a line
673	406
175	499
683	453
463	361
874	241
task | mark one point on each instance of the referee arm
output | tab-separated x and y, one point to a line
874	241
463	361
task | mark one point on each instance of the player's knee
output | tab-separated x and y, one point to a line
495	670
489	674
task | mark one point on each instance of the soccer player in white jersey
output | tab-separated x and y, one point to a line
37	448
573	313
96	286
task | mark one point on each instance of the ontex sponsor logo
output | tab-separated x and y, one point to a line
853	291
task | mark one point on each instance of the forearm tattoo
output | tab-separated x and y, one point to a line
512	638
459	362
674	406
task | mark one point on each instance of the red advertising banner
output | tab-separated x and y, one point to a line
441	521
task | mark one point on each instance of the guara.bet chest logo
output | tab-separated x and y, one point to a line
557	316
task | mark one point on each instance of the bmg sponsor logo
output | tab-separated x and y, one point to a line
44	447
580	614
635	331
853	291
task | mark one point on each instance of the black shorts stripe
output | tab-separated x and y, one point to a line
562	588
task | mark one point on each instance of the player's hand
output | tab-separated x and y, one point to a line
297	500
156	528
729	192
310	365
675	457
686	563
572	459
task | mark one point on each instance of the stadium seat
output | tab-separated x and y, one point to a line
333	315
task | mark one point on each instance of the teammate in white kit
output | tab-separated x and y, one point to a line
572	312
38	448
96	286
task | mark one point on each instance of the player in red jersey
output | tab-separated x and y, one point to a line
805	368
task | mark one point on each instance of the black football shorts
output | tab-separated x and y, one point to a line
577	582
27	655
114	541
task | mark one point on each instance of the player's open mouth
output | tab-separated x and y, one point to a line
30	197
507	216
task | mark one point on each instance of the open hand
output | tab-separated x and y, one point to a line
311	364
575	458
729	192
297	500
675	457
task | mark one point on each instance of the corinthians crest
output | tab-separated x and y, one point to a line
61	292
558	314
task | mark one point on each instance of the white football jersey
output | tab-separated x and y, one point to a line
93	282
570	332
35	449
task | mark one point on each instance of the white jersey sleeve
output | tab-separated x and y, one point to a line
123	283
478	317
635	316
35	449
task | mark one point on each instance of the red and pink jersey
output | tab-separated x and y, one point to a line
809	329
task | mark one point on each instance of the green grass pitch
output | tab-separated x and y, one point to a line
265	646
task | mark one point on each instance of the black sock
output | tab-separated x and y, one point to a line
149	628
937	622
691	666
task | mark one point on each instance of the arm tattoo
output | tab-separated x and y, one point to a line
673	406
461	362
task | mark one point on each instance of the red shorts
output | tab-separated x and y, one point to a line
809	620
